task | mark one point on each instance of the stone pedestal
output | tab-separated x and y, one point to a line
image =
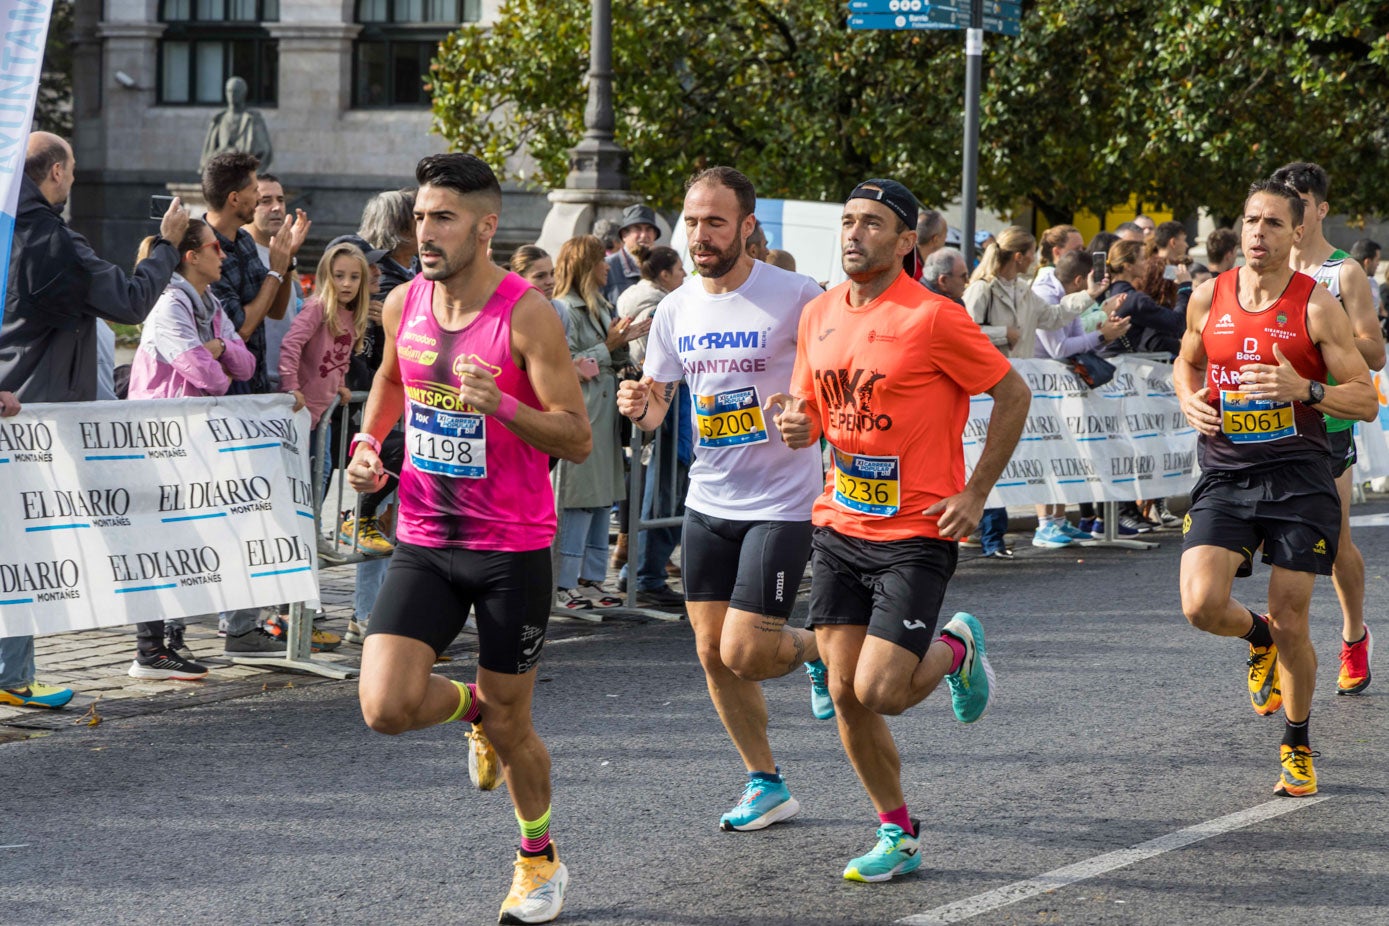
573	212
191	194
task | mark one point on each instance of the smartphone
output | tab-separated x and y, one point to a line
160	205
1169	272
1097	273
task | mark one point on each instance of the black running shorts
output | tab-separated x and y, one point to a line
1291	509
1342	450
428	592
895	587
755	566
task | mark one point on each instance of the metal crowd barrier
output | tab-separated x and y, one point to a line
331	551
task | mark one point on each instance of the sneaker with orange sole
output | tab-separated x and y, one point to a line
1264	692
1355	665
1298	779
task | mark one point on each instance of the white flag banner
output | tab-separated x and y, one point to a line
117	512
1123	441
25	27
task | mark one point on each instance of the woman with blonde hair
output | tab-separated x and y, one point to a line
587	489
1004	305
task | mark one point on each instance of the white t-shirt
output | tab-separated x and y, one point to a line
734	350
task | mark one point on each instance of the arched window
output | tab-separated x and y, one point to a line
208	41
398	40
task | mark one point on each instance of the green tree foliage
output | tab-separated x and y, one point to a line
1183	104
53	105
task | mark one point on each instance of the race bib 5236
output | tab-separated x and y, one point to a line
868	485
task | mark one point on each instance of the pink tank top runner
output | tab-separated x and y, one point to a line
467	481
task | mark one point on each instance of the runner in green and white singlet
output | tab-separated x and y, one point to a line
1345	279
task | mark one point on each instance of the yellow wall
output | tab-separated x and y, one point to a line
1089	224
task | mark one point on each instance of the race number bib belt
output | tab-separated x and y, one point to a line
1246	420
728	419
868	485
452	444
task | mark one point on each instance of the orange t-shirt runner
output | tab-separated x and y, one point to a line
890	384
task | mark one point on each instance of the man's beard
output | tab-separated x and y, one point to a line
727	260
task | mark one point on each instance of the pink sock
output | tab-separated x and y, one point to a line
899	817
474	710
956	648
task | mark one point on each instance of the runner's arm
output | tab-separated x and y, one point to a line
560	426
646	402
960	514
1360	306
1189	369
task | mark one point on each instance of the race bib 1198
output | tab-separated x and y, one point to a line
446	443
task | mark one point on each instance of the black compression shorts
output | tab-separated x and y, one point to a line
428	593
756	566
895	587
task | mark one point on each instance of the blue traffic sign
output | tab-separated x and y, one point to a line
930	19
1003	9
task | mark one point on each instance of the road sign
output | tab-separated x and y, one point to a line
1007	25
894	21
1003	9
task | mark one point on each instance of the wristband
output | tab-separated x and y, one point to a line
506	409
363	438
276	274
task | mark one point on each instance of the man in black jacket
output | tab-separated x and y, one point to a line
58	288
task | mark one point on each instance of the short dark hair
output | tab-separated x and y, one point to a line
1073	263
1364	249
465	174
1284	191
1102	241
1305	177
1168	232
38	164
270	178
225	174
732	179
1220	244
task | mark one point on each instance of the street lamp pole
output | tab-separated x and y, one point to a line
597	162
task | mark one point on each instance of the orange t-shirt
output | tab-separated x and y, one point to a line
890	384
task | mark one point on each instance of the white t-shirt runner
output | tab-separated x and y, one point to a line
734	350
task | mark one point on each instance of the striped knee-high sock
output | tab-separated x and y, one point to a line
535	834
468	707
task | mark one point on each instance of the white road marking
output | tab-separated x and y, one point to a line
1100	864
22	845
1369	520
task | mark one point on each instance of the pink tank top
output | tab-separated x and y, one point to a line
467	480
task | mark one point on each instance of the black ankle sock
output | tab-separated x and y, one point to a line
548	852
1259	634
1295	734
1365	634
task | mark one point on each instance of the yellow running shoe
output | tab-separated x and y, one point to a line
369	536
483	766
1299	779
36	695
1264	692
537	889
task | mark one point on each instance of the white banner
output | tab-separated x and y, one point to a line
117	512
1372	437
25	27
1123	441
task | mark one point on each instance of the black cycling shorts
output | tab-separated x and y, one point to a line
755	566
1342	451
895	587
1292	509
428	592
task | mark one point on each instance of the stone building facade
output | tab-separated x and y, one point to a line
338	82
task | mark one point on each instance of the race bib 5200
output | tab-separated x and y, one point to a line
730	418
1248	421
451	444
868	485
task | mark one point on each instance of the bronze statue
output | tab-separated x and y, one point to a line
237	128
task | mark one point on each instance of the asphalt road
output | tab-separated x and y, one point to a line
1115	725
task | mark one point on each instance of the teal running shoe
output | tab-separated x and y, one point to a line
895	854
763	803
821	704
36	695
971	685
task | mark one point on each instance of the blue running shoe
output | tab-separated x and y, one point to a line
36	695
971	685
764	803
1077	534
821	704
895	854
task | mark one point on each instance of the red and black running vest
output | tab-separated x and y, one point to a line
1256	432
